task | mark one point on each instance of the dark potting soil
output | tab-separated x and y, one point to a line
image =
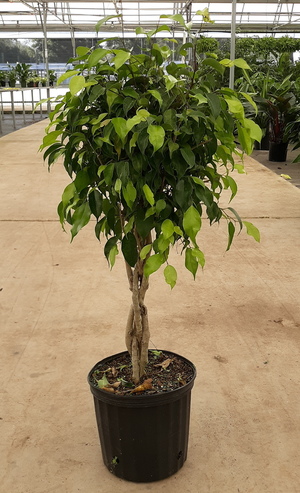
164	372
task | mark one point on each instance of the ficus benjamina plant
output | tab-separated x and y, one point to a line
149	146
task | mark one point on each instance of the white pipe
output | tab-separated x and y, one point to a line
232	43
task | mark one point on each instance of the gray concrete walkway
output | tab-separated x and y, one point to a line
61	310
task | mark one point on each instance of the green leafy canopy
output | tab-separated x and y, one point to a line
149	146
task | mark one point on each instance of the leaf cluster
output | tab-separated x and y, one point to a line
148	145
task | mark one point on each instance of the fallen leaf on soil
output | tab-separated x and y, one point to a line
165	363
144	386
114	371
115	385
108	389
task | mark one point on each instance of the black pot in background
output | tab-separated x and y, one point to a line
143	438
278	151
263	145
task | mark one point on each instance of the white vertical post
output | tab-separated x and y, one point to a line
232	43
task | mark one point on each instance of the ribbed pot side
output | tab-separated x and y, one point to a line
144	438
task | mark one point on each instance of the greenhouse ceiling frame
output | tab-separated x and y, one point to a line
77	18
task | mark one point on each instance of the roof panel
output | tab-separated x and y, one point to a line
78	16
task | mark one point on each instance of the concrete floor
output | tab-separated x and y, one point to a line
62	310
292	170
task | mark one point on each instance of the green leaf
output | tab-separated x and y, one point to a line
205	15
241	63
198	181
254	130
145	251
170	118
211	62
111	94
233	187
112	255
129	194
108	173
76	84
140	30
244	138
160	205
68	194
96	56
176	17
150	212
161	244
234	105
201	99
156	94
227	62
80	218
170	274
183	193
199	256
191	222
148	194
170	82
66	75
214	104
120	126
104	20
167	228
156	136
178	231
133	140
109	245
231	231
95	202
130	92
141	115
153	263
120	58
129	249
252	230
188	155
250	100
51	137
190	262
129	225
118	185
237	216
82	50
173	146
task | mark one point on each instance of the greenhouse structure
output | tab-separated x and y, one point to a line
150	162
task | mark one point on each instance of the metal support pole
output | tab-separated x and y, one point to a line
13	109
23	106
232	43
32	104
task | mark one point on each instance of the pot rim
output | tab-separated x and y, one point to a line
145	400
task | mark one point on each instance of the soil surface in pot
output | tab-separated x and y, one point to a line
164	372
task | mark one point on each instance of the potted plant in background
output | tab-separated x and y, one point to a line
3	78
22	73
149	147
52	77
11	76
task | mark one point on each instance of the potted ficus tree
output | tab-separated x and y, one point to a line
149	146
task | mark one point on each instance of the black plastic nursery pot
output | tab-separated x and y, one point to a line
143	437
278	151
